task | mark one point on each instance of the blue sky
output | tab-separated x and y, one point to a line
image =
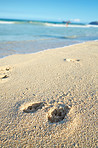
57	10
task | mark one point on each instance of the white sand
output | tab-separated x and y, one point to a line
64	75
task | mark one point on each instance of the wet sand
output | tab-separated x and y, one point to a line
49	99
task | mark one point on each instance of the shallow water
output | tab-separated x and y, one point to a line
34	37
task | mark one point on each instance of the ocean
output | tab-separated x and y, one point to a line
21	36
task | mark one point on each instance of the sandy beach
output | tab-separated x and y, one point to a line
49	99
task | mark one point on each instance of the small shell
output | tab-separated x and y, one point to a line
72	60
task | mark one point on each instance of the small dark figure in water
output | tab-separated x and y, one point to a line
67	23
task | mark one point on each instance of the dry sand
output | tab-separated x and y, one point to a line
61	79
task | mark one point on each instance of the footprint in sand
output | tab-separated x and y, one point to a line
72	60
32	107
4	72
57	113
4	69
3	76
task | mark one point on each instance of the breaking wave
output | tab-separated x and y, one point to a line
50	24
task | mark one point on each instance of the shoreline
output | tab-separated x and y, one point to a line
34	86
50	48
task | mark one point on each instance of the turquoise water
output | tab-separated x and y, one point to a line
34	36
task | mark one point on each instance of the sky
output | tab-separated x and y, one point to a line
53	10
